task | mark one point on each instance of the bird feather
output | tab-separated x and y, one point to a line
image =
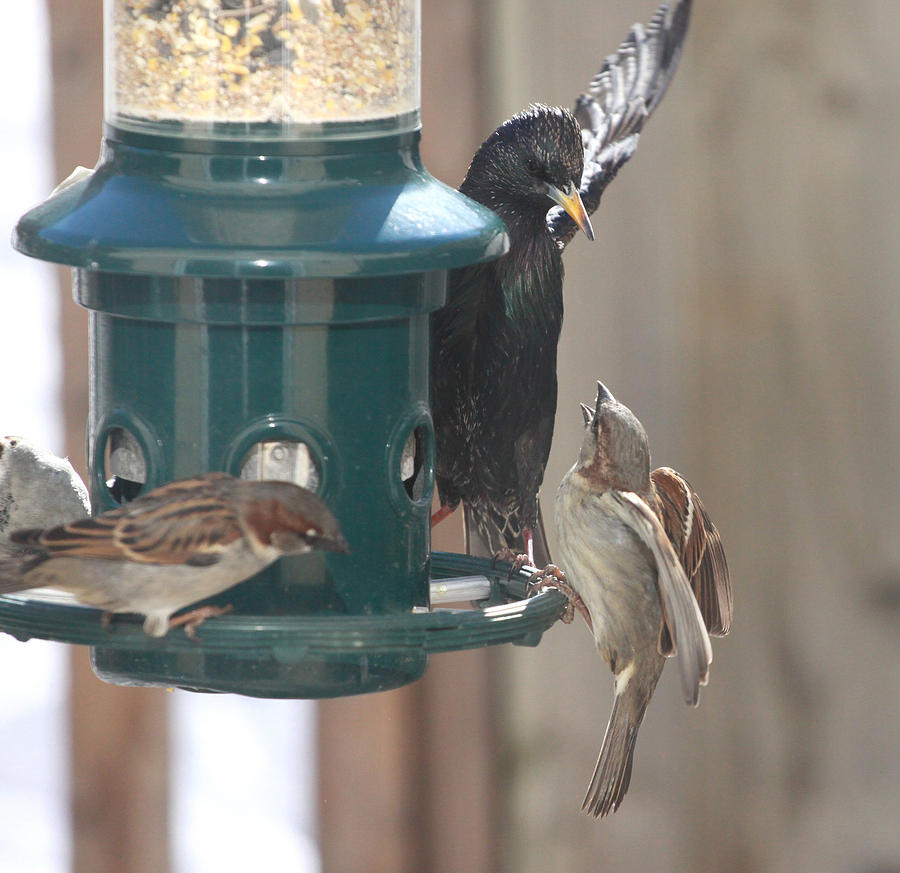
619	100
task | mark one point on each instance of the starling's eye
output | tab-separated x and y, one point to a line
532	165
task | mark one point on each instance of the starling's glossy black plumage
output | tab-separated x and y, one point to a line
493	365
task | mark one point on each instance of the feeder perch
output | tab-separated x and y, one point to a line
260	247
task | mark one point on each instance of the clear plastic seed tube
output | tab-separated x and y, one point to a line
199	64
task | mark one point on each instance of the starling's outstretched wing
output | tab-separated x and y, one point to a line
619	101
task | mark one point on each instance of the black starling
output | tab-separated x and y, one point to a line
493	346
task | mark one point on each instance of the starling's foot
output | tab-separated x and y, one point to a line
516	561
193	619
106	620
552	577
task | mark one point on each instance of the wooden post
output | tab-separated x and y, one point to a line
408	777
741	298
118	750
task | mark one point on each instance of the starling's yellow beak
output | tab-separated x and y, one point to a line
570	200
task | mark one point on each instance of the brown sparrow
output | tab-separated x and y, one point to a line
641	553
179	543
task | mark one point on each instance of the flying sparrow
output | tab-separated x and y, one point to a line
494	344
641	553
179	543
37	489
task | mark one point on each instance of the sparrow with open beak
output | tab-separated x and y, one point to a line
494	344
648	565
178	544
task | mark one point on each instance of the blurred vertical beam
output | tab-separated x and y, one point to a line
370	770
795	419
744	297
407	778
119	755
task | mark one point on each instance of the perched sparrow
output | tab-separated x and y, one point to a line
37	489
641	553
177	544
493	370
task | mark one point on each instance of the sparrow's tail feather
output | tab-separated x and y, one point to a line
612	774
12	577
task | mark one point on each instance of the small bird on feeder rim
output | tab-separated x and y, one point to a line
646	568
494	343
177	544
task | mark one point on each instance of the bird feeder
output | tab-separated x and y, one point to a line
260	247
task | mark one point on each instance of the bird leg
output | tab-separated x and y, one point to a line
516	561
106	620
528	536
552	577
193	619
441	514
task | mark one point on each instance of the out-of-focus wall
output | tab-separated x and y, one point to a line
742	298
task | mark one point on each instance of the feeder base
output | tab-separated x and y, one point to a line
290	656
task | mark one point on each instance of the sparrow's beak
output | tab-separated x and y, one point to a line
570	200
587	412
604	395
339	544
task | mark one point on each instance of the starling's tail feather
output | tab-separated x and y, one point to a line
475	542
539	543
485	537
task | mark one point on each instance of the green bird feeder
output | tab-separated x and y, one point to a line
260	247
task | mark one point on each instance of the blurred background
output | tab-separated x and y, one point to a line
741	297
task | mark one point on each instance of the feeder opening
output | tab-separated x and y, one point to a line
124	465
412	464
285	460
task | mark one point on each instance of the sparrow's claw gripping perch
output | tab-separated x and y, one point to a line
516	561
552	577
193	619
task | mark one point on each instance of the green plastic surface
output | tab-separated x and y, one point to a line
171	206
266	655
249	291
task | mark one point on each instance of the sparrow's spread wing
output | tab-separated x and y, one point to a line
680	611
185	522
699	546
618	102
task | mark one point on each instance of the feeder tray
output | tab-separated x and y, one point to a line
291	655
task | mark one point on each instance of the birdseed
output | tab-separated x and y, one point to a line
288	61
